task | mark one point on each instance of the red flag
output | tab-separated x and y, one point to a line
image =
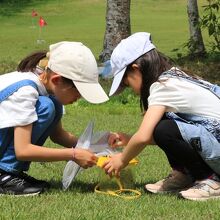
42	22
34	13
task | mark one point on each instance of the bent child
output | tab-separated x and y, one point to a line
31	104
181	116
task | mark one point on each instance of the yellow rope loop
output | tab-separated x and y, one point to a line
121	190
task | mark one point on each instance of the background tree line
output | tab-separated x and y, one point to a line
118	26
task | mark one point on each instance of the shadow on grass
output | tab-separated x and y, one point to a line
83	187
78	186
11	7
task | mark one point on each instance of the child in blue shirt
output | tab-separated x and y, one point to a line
31	104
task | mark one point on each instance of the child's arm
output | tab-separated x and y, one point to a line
27	151
138	141
62	137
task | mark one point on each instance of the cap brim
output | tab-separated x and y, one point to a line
92	92
116	82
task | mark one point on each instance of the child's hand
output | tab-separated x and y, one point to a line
84	158
118	139
114	165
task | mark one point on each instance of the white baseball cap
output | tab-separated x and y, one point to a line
126	52
75	61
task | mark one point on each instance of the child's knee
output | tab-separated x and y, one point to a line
158	132
165	130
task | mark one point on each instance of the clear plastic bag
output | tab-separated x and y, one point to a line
72	168
97	143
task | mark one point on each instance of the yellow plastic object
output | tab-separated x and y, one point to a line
114	186
102	160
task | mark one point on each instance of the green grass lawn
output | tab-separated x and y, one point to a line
84	20
80	201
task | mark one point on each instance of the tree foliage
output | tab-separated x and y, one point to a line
11	7
211	21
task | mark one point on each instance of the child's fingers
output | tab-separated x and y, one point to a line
110	171
117	143
113	138
108	168
106	164
117	173
91	164
93	161
95	158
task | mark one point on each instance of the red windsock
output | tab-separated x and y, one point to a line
42	22
34	13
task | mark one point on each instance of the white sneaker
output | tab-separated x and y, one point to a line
203	190
174	182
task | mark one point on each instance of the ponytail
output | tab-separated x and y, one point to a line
30	62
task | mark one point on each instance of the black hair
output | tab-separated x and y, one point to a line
30	62
152	64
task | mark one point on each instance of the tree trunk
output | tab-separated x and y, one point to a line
195	45
117	26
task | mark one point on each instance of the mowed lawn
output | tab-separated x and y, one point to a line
84	21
